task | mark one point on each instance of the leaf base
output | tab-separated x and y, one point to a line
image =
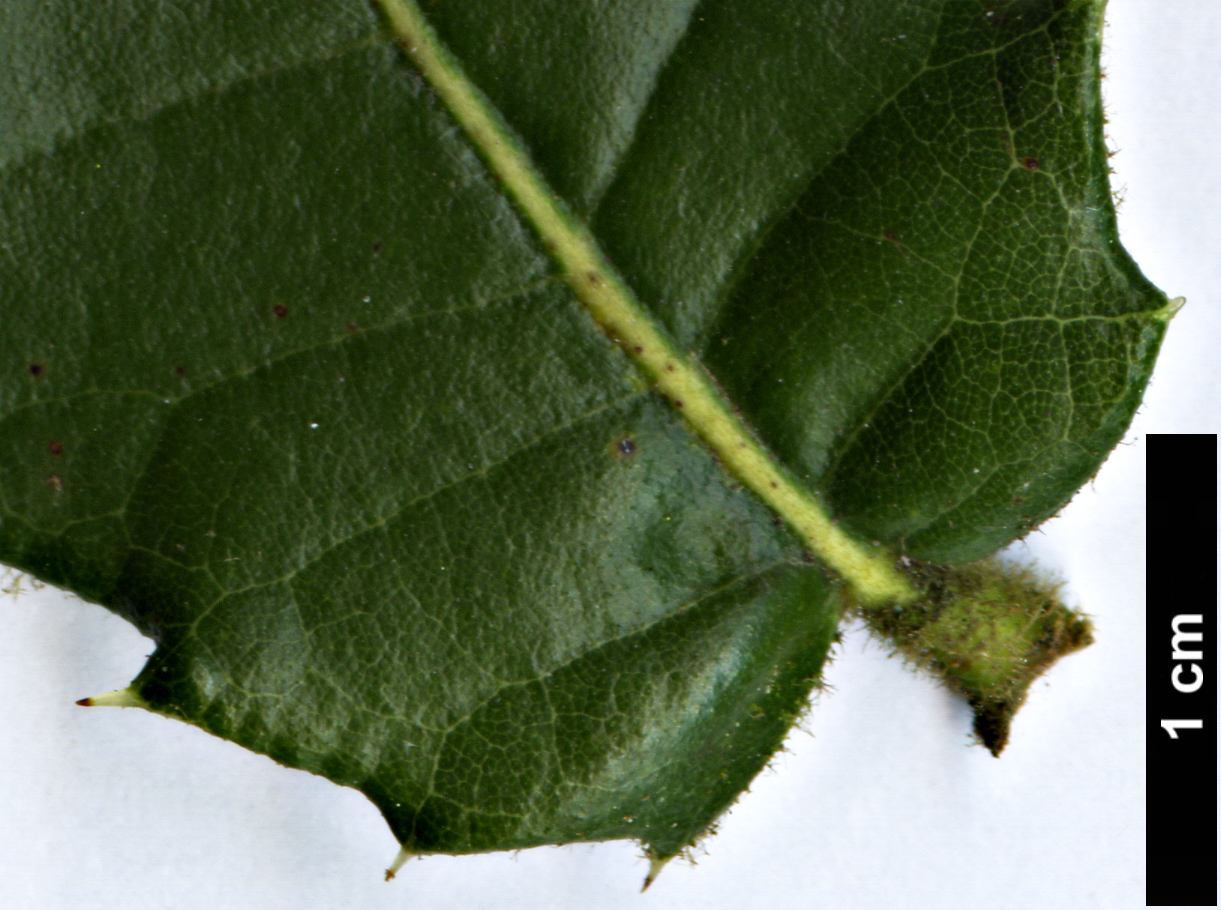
987	629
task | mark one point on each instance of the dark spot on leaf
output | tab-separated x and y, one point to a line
280	310
593	279
892	236
56	447
669	368
1031	164
625	447
677	403
37	369
1018	500
377	248
54	483
353	328
638	349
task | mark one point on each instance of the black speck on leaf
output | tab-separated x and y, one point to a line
626	447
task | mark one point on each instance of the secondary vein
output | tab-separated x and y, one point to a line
676	375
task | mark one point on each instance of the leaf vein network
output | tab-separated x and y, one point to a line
425	497
78	134
575	658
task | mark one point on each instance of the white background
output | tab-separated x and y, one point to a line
881	803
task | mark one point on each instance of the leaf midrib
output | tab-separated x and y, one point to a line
611	302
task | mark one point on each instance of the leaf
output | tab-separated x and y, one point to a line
299	384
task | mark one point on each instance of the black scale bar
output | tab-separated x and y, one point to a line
1181	660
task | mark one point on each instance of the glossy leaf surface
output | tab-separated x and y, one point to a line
293	385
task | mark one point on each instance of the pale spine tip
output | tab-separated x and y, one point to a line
120	698
1170	310
655	867
403	855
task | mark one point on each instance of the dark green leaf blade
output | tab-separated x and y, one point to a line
377	511
396	511
965	339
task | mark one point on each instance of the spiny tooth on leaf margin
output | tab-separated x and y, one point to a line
403	855
656	864
1171	309
119	698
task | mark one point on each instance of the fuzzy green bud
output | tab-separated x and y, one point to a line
987	629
